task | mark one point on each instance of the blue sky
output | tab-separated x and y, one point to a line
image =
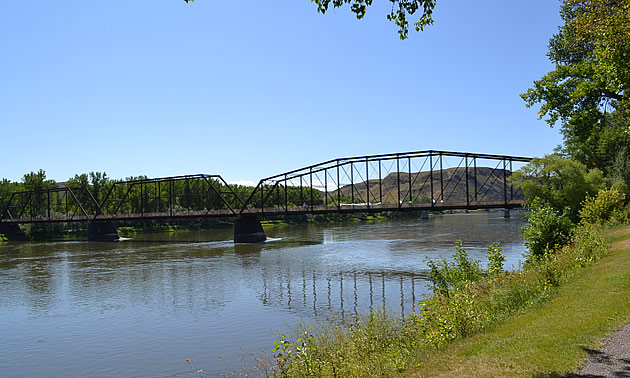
248	89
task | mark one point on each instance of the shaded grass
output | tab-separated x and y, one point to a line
549	339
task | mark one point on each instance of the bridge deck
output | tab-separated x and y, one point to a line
297	210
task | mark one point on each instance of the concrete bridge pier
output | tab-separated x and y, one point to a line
12	231
506	213
102	231
247	229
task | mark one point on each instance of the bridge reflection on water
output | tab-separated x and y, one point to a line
346	295
140	307
191	275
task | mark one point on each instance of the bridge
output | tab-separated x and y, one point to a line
423	181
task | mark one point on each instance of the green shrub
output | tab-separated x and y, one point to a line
443	319
377	345
496	258
547	230
445	276
620	216
587	246
599	209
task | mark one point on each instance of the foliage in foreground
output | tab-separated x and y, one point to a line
562	183
546	231
599	209
465	301
400	11
588	92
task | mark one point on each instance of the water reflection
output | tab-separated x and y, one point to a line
343	294
143	306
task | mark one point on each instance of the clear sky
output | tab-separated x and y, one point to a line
248	89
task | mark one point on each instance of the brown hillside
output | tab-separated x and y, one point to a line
488	186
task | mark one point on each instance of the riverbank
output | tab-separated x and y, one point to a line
539	320
553	339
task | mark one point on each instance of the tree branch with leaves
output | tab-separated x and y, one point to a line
588	92
400	12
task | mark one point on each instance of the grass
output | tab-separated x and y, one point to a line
550	339
535	322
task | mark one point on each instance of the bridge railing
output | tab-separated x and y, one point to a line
402	181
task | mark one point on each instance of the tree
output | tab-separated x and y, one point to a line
606	24
37	181
401	10
6	188
90	188
588	91
562	183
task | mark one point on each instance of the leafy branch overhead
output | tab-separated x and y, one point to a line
399	14
588	92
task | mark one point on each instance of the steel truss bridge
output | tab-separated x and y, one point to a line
410	181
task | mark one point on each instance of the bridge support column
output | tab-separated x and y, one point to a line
12	231
102	231
506	213
247	229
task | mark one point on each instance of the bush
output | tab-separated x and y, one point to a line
547	230
587	246
599	209
496	258
620	216
377	345
445	276
443	319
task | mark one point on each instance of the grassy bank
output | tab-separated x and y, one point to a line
551	339
537	321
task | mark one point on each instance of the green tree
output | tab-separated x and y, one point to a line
401	10
100	184
78	181
562	183
6	188
37	181
588	91
95	183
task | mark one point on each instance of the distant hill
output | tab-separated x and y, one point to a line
488	183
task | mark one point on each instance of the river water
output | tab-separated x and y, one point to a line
142	307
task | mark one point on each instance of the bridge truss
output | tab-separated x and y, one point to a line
190	196
421	180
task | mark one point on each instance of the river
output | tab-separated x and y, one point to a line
143	307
